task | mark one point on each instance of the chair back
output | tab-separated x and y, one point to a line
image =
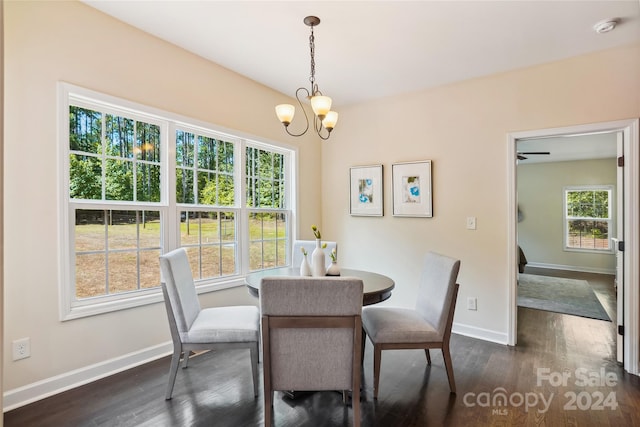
311	332
180	289
309	246
437	289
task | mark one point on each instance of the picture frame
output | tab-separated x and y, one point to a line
366	191
412	189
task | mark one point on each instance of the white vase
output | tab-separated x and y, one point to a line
318	266
334	269
305	268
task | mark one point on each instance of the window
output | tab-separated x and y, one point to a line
265	188
139	182
588	216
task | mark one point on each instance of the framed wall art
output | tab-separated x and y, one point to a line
412	189
366	191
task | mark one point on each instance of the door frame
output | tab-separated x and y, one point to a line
630	130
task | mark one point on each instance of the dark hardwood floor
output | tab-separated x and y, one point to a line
216	388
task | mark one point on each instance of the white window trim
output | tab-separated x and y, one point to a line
565	219
169	210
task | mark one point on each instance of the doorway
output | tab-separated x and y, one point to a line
628	130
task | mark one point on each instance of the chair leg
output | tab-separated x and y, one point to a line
185	359
173	371
449	366
254	367
377	355
364	342
426	351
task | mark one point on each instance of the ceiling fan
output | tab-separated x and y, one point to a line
522	155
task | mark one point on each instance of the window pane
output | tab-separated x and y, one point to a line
119	180
148	183
116	251
264	172
268	236
149	229
90	230
207	188
228	227
122	230
120	136
201	234
214	172
147	142
90	275
184	185
228	259
588	204
85	177
210	261
207	151
184	148
150	268
189	228
123	272
226	158
85	130
585	234
255	256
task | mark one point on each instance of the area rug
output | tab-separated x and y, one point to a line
560	295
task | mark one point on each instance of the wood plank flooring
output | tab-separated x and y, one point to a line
216	388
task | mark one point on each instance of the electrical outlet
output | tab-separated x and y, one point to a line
21	348
472	303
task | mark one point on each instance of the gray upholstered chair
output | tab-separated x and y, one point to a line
310	245
427	326
193	328
311	336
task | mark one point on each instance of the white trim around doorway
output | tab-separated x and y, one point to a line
631	130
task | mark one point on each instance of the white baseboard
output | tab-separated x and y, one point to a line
41	389
480	333
572	268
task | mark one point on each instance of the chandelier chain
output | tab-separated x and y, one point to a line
312	48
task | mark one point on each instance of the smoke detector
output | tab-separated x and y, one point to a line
605	25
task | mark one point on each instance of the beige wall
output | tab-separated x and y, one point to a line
541	199
48	42
463	129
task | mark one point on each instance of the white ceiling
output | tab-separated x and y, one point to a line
373	49
569	148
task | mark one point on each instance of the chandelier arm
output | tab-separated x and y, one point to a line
317	124
303	112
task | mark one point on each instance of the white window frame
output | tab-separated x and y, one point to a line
566	218
69	306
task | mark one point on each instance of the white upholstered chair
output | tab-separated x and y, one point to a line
309	246
194	328
427	326
311	336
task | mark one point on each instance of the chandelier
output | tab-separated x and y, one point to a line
324	118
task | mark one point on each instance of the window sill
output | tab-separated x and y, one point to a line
153	296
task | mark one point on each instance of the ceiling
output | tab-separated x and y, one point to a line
373	49
569	148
